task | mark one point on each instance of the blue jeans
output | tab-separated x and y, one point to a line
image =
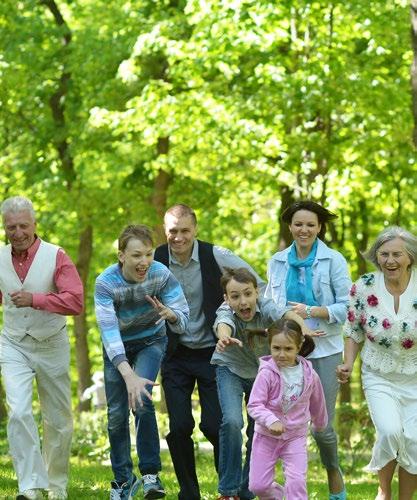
233	480
145	357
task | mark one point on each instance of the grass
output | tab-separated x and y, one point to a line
91	473
90	478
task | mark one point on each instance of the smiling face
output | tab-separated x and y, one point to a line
304	228
284	350
241	297
180	233
393	260
136	259
20	229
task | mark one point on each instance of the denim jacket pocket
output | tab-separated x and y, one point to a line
279	294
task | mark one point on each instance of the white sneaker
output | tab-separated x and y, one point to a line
57	495
34	494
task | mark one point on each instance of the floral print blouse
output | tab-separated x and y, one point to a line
390	338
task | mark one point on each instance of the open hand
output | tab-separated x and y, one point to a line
223	343
164	312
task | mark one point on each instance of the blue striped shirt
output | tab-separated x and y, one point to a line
123	313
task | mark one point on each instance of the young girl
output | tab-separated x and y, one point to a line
286	395
237	361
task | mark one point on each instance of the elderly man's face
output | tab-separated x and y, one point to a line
20	230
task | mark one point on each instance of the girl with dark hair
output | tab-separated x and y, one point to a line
286	395
314	281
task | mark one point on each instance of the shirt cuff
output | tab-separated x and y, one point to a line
332	318
119	359
38	301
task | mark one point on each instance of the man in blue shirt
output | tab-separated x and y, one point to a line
198	267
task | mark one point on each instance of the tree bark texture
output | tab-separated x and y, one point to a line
85	251
413	13
160	192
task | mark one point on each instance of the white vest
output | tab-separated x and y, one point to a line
18	322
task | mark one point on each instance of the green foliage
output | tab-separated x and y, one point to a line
90	439
249	96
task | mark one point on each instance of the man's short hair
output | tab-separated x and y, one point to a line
17	204
181	210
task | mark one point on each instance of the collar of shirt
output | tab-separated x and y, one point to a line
29	253
194	255
22	262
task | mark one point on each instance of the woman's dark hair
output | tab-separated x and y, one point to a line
290	329
134	232
323	215
239	274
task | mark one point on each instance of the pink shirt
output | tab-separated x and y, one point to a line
69	298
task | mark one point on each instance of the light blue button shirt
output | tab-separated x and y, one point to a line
199	335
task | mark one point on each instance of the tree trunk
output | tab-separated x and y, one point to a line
284	235
160	191
413	12
85	251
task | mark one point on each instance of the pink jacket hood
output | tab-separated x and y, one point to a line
265	402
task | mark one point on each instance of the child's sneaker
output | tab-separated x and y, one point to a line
124	491
152	487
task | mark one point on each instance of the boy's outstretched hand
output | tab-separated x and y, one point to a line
165	313
223	343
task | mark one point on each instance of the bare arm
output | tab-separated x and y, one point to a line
224	332
344	370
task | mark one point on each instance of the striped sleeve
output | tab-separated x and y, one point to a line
107	320
172	296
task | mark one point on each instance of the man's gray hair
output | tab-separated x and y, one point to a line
389	234
17	204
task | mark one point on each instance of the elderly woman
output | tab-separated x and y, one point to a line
314	281
382	324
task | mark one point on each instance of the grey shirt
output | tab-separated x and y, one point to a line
199	335
244	361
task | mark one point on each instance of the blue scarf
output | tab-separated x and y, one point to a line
296	291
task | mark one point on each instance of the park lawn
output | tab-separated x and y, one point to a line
90	479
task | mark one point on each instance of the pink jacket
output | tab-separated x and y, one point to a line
266	396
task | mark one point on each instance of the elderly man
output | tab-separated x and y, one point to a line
198	266
39	286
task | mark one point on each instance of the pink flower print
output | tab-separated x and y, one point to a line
362	319
370	337
351	316
293	397
372	300
407	343
353	290
386	324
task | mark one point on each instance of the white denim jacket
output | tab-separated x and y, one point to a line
331	285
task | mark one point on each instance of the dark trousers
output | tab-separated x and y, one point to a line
180	372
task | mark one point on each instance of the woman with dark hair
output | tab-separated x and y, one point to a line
382	325
314	281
